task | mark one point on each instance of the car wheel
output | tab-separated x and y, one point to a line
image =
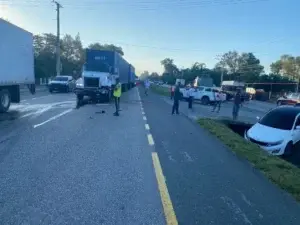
204	100
288	149
279	103
50	90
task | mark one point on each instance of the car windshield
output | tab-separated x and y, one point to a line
280	118
61	79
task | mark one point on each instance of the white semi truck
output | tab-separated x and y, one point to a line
16	63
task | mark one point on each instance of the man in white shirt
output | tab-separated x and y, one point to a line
147	85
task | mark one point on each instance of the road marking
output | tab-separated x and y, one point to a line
53	118
188	157
147	126
144	118
164	193
150	139
143	112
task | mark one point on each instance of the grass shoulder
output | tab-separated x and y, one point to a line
280	172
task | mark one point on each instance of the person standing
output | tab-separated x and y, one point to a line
147	85
172	91
177	96
236	104
117	95
218	101
191	97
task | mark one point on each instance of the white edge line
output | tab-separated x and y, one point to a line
53	118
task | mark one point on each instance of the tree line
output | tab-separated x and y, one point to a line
72	54
243	66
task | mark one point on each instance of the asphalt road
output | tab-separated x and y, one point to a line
62	165
206	182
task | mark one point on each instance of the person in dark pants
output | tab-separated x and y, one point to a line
117	94
236	104
191	97
177	96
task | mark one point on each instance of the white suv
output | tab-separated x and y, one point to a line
203	94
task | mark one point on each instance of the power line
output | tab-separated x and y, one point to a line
143	5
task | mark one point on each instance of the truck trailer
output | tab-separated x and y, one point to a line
99	75
16	63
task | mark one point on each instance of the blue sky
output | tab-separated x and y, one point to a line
187	31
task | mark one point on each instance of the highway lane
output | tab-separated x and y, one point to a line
62	165
206	182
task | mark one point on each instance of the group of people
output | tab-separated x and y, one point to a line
176	96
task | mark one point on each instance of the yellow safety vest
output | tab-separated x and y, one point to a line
118	90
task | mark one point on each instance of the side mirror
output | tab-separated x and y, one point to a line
297	127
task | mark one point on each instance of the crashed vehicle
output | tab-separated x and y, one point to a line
291	99
278	131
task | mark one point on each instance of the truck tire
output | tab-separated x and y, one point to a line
5	100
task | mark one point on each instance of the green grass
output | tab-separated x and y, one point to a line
280	172
160	90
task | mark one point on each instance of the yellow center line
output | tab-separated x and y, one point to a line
164	193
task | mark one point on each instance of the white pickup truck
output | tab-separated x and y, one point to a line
204	94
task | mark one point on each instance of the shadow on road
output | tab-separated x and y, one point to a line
11	115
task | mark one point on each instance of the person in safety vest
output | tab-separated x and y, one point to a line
117	95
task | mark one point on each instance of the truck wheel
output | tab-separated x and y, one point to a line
204	100
4	101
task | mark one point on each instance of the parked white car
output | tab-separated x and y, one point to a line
277	131
204	94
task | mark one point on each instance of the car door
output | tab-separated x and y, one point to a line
296	131
198	93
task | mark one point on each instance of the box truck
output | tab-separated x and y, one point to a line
16	63
99	75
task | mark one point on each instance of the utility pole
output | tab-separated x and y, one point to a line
58	65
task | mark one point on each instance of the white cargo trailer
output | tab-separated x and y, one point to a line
16	63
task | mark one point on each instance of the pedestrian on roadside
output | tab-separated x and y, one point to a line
236	104
191	97
218	101
117	95
147	85
177	97
172	91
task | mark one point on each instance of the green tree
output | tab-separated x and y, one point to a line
108	47
243	66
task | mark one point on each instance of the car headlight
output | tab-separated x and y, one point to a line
79	85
